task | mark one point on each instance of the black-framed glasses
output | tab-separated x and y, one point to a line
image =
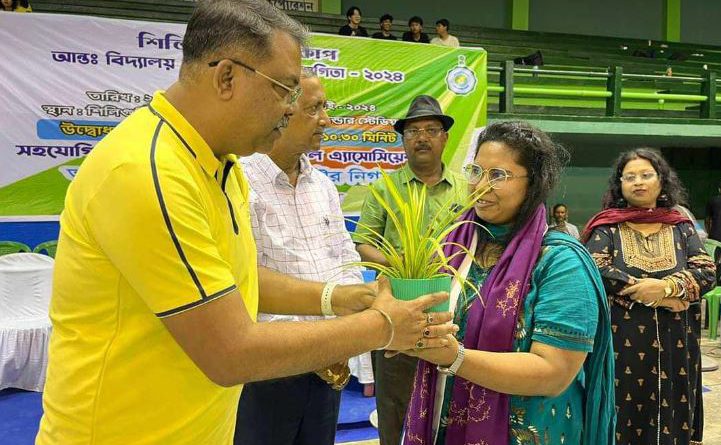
293	93
496	176
413	133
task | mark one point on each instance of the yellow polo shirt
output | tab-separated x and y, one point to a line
154	225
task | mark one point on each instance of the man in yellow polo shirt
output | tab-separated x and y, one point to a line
156	286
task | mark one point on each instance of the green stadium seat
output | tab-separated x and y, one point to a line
47	248
8	247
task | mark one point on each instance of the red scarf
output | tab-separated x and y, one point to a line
662	215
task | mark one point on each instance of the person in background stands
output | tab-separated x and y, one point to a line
353	27
299	229
560	221
386	22
713	216
444	38
15	6
156	286
712	223
415	32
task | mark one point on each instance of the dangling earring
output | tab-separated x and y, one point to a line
621	203
662	199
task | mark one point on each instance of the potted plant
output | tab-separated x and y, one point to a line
420	266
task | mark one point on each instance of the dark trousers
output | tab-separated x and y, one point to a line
298	410
394	383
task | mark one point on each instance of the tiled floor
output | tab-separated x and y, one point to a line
711	399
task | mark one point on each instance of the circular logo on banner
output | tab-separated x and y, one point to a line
460	79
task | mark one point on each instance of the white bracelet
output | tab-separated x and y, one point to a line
326	305
390	323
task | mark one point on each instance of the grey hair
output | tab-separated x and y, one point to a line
218	25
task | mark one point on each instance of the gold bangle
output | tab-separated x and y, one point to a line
675	287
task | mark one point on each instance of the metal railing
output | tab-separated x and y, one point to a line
613	93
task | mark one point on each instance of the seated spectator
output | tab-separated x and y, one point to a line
15	6
444	38
535	59
353	28
416	34
386	21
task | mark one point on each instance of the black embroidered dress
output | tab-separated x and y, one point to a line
658	356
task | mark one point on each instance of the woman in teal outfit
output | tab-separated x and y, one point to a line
533	361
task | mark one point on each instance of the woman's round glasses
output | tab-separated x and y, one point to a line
633	177
496	176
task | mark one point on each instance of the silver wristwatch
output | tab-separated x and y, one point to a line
453	369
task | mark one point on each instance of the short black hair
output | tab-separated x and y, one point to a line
385	17
560	204
445	23
672	190
352	11
415	19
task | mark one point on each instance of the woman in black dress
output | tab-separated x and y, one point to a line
655	270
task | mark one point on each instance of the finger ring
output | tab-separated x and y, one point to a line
429	317
427	332
419	343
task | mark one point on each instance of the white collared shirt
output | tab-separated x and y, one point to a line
299	231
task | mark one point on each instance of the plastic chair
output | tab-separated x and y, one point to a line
25	289
47	248
711	245
8	247
368	275
713	298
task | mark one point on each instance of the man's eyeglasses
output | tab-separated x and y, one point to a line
496	176
291	95
413	133
315	110
645	177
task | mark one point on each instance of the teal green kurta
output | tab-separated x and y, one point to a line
560	310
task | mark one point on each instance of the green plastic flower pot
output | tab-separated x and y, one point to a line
409	289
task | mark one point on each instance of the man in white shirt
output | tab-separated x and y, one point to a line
444	38
299	230
560	218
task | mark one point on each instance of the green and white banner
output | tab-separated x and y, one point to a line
68	80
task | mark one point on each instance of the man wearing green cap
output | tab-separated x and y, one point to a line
425	133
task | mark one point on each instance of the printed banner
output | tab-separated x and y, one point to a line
292	5
69	80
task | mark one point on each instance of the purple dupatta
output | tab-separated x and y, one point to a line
478	415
